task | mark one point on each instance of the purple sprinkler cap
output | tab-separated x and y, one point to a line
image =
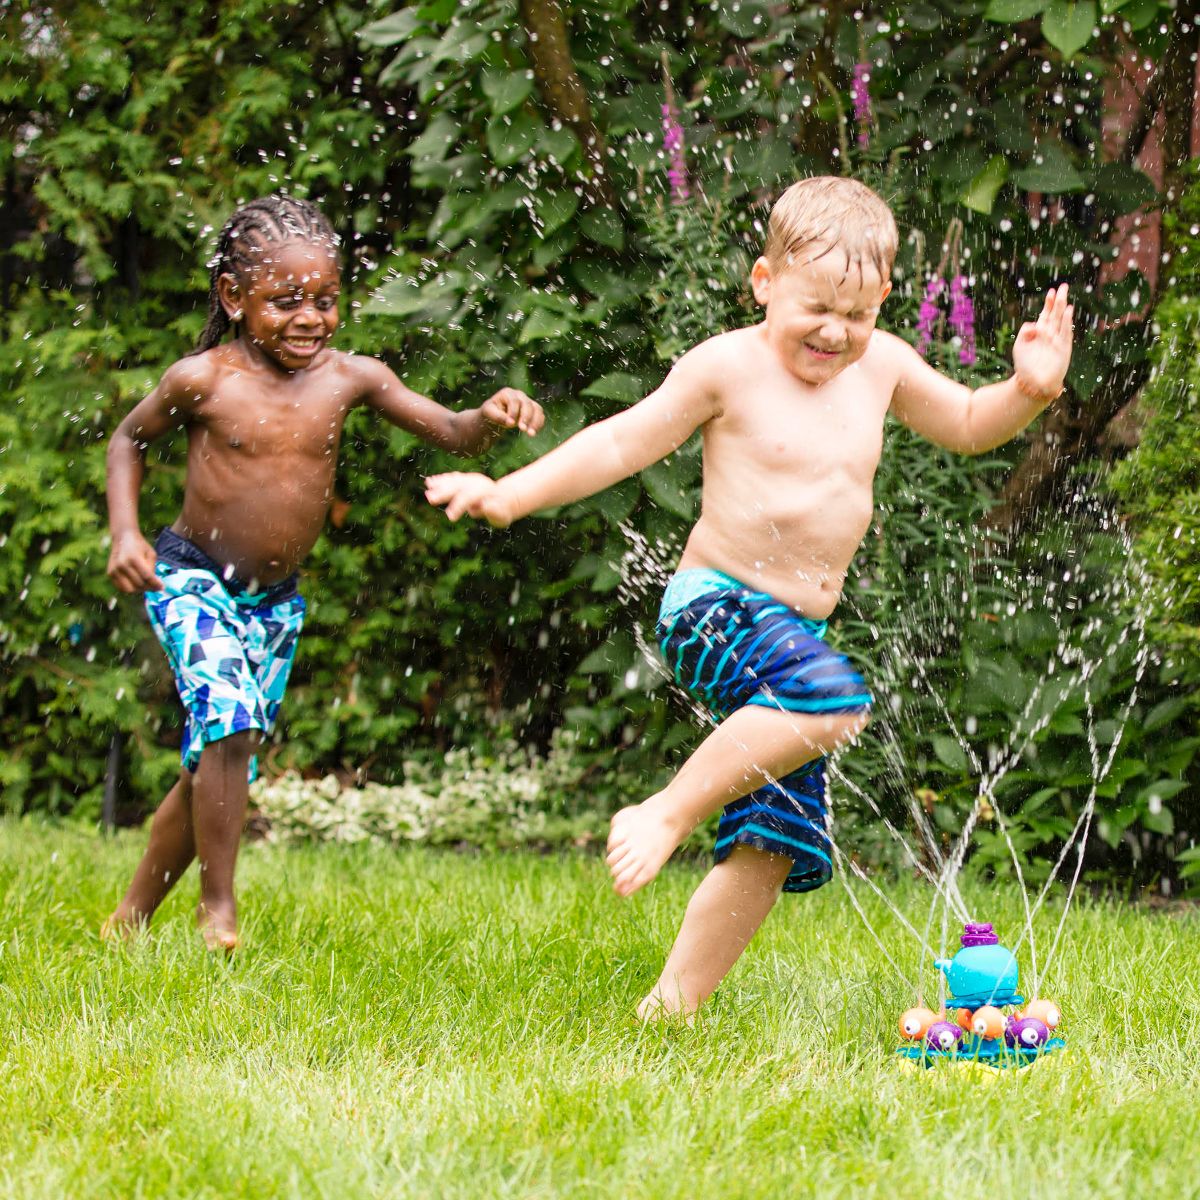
979	934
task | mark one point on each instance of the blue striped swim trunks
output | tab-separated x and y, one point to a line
230	649
729	646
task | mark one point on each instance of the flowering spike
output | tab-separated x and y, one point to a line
860	93
927	317
962	319
677	175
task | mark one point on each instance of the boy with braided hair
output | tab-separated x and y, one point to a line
264	413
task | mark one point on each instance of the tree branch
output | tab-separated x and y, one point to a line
562	90
1143	121
1068	434
1170	90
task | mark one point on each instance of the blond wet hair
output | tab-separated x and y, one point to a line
826	213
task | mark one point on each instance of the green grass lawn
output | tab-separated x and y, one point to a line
421	1024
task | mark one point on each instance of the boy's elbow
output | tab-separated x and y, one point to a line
122	447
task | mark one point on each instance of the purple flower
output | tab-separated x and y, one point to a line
677	175
962	320
927	317
860	92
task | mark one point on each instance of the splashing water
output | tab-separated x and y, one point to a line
987	588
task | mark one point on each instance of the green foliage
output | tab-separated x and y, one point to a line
503	798
1159	484
483	249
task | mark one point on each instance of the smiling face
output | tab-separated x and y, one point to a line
287	301
821	312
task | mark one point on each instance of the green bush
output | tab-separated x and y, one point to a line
1159	483
483	249
1159	489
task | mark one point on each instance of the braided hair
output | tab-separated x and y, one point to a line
275	218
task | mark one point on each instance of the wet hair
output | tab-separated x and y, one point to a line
828	212
276	219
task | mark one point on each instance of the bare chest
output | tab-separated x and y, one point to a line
302	422
810	431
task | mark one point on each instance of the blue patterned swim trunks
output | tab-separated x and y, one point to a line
231	650
729	646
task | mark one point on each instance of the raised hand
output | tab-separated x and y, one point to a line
1042	351
511	407
131	564
463	492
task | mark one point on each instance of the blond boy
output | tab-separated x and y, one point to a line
792	415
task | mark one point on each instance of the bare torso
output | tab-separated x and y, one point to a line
788	471
262	450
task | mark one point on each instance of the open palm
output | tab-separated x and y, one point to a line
1042	351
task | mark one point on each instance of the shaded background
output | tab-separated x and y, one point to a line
563	197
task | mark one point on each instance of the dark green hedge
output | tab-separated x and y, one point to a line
481	250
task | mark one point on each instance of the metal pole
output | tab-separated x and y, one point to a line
112	774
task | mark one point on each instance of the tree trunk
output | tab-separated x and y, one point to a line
1070	429
563	92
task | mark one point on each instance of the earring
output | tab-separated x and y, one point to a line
237	316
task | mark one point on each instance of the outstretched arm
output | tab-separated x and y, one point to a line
972	422
595	458
468	432
170	405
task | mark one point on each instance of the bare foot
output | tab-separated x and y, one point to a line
641	838
655	1008
118	927
218	929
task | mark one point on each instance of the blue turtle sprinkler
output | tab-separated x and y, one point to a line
982	979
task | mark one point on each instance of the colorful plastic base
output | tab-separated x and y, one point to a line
992	1053
971	1003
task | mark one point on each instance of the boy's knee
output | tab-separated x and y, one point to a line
757	868
842	729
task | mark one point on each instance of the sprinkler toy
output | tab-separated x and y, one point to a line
983	971
982	979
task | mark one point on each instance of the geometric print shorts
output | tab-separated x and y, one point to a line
230	650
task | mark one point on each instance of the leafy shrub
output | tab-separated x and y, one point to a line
481	252
504	798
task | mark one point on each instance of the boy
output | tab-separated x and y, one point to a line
792	414
264	415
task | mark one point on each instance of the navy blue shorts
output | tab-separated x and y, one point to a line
729	646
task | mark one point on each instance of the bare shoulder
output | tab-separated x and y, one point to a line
194	376
716	367
889	359
887	349
359	366
185	385
733	350
366	376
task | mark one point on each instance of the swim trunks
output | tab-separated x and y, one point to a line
729	646
230	649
